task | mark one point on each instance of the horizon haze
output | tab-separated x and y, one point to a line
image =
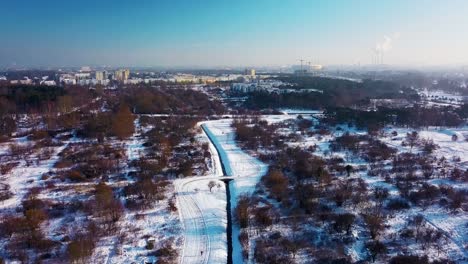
180	33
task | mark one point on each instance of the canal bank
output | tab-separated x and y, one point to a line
226	169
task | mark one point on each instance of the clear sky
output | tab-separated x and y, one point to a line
232	32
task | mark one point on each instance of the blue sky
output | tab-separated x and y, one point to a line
232	33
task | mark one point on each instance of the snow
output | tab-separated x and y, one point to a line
454	226
441	137
23	176
199	228
135	145
203	214
288	111
442	98
245	169
156	223
449	148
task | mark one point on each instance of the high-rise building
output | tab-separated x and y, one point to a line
122	75
250	72
100	76
118	75
126	74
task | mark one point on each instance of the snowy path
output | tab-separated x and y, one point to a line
197	242
204	218
458	241
243	168
203	215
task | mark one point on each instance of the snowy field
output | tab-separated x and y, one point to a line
288	111
153	224
442	137
441	98
454	226
24	175
198	229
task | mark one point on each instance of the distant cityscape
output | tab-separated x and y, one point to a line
87	76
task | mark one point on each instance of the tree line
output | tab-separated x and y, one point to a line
330	92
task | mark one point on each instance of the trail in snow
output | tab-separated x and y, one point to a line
196	243
22	177
203	215
243	168
457	242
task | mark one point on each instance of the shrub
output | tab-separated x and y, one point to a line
149	244
122	123
242	211
397	204
244	240
61	164
277	183
76	176
5	192
34	217
343	222
7	167
166	254
375	224
81	247
376	248
409	260
171	204
10	225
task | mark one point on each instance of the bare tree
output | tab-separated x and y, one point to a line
412	139
454	137
349	169
211	184
376	248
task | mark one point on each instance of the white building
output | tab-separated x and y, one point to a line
82	76
49	82
133	81
122	75
85	69
259	85
26	80
250	72
68	81
100	75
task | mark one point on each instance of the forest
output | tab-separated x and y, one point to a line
330	92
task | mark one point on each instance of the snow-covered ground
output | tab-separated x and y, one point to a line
453	226
288	111
246	171
153	223
203	214
442	137
441	98
25	175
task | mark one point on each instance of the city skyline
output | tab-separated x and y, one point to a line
222	33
